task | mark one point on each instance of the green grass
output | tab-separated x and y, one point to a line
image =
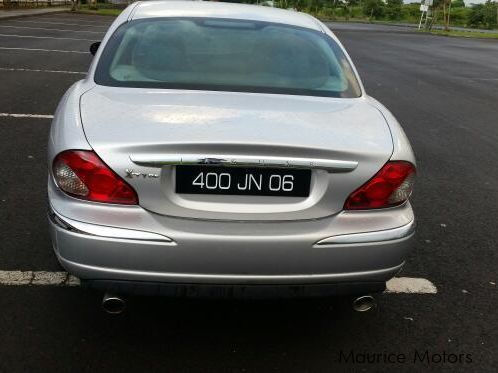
85	9
465	34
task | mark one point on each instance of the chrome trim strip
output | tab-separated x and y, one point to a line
104	231
228	160
365	237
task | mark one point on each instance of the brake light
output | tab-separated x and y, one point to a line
391	186
82	174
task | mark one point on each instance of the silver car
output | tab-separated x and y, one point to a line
227	149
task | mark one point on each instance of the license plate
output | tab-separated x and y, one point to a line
243	181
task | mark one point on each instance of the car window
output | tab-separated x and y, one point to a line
226	54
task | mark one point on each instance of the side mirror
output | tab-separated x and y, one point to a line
94	47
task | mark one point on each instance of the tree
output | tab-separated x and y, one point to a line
446	14
393	9
373	8
484	15
458	4
75	4
348	5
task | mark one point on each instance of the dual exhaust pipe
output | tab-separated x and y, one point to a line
364	303
115	305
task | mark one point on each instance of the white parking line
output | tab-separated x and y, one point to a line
42	71
38	116
397	285
43	50
60	23
410	285
52	29
75	19
42	37
83	19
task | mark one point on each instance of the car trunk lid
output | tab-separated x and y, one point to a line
136	131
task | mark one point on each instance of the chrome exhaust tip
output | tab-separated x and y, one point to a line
113	304
364	303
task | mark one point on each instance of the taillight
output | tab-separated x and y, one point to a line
391	186
82	174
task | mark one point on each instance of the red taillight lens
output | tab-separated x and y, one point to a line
391	186
82	174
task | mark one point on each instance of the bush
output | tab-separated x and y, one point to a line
410	12
328	13
357	12
393	9
458	4
373	8
459	15
483	15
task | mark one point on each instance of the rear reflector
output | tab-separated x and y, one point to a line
82	174
391	186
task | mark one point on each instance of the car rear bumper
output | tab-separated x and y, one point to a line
219	254
237	291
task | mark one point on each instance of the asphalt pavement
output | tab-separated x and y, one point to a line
443	90
27	12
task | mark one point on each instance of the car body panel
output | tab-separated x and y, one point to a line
67	130
402	150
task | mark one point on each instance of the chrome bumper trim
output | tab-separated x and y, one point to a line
159	160
377	236
104	231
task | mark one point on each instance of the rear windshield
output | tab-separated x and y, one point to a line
225	55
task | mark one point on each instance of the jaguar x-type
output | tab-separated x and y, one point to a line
217	148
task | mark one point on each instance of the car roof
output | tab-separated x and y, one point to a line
209	9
